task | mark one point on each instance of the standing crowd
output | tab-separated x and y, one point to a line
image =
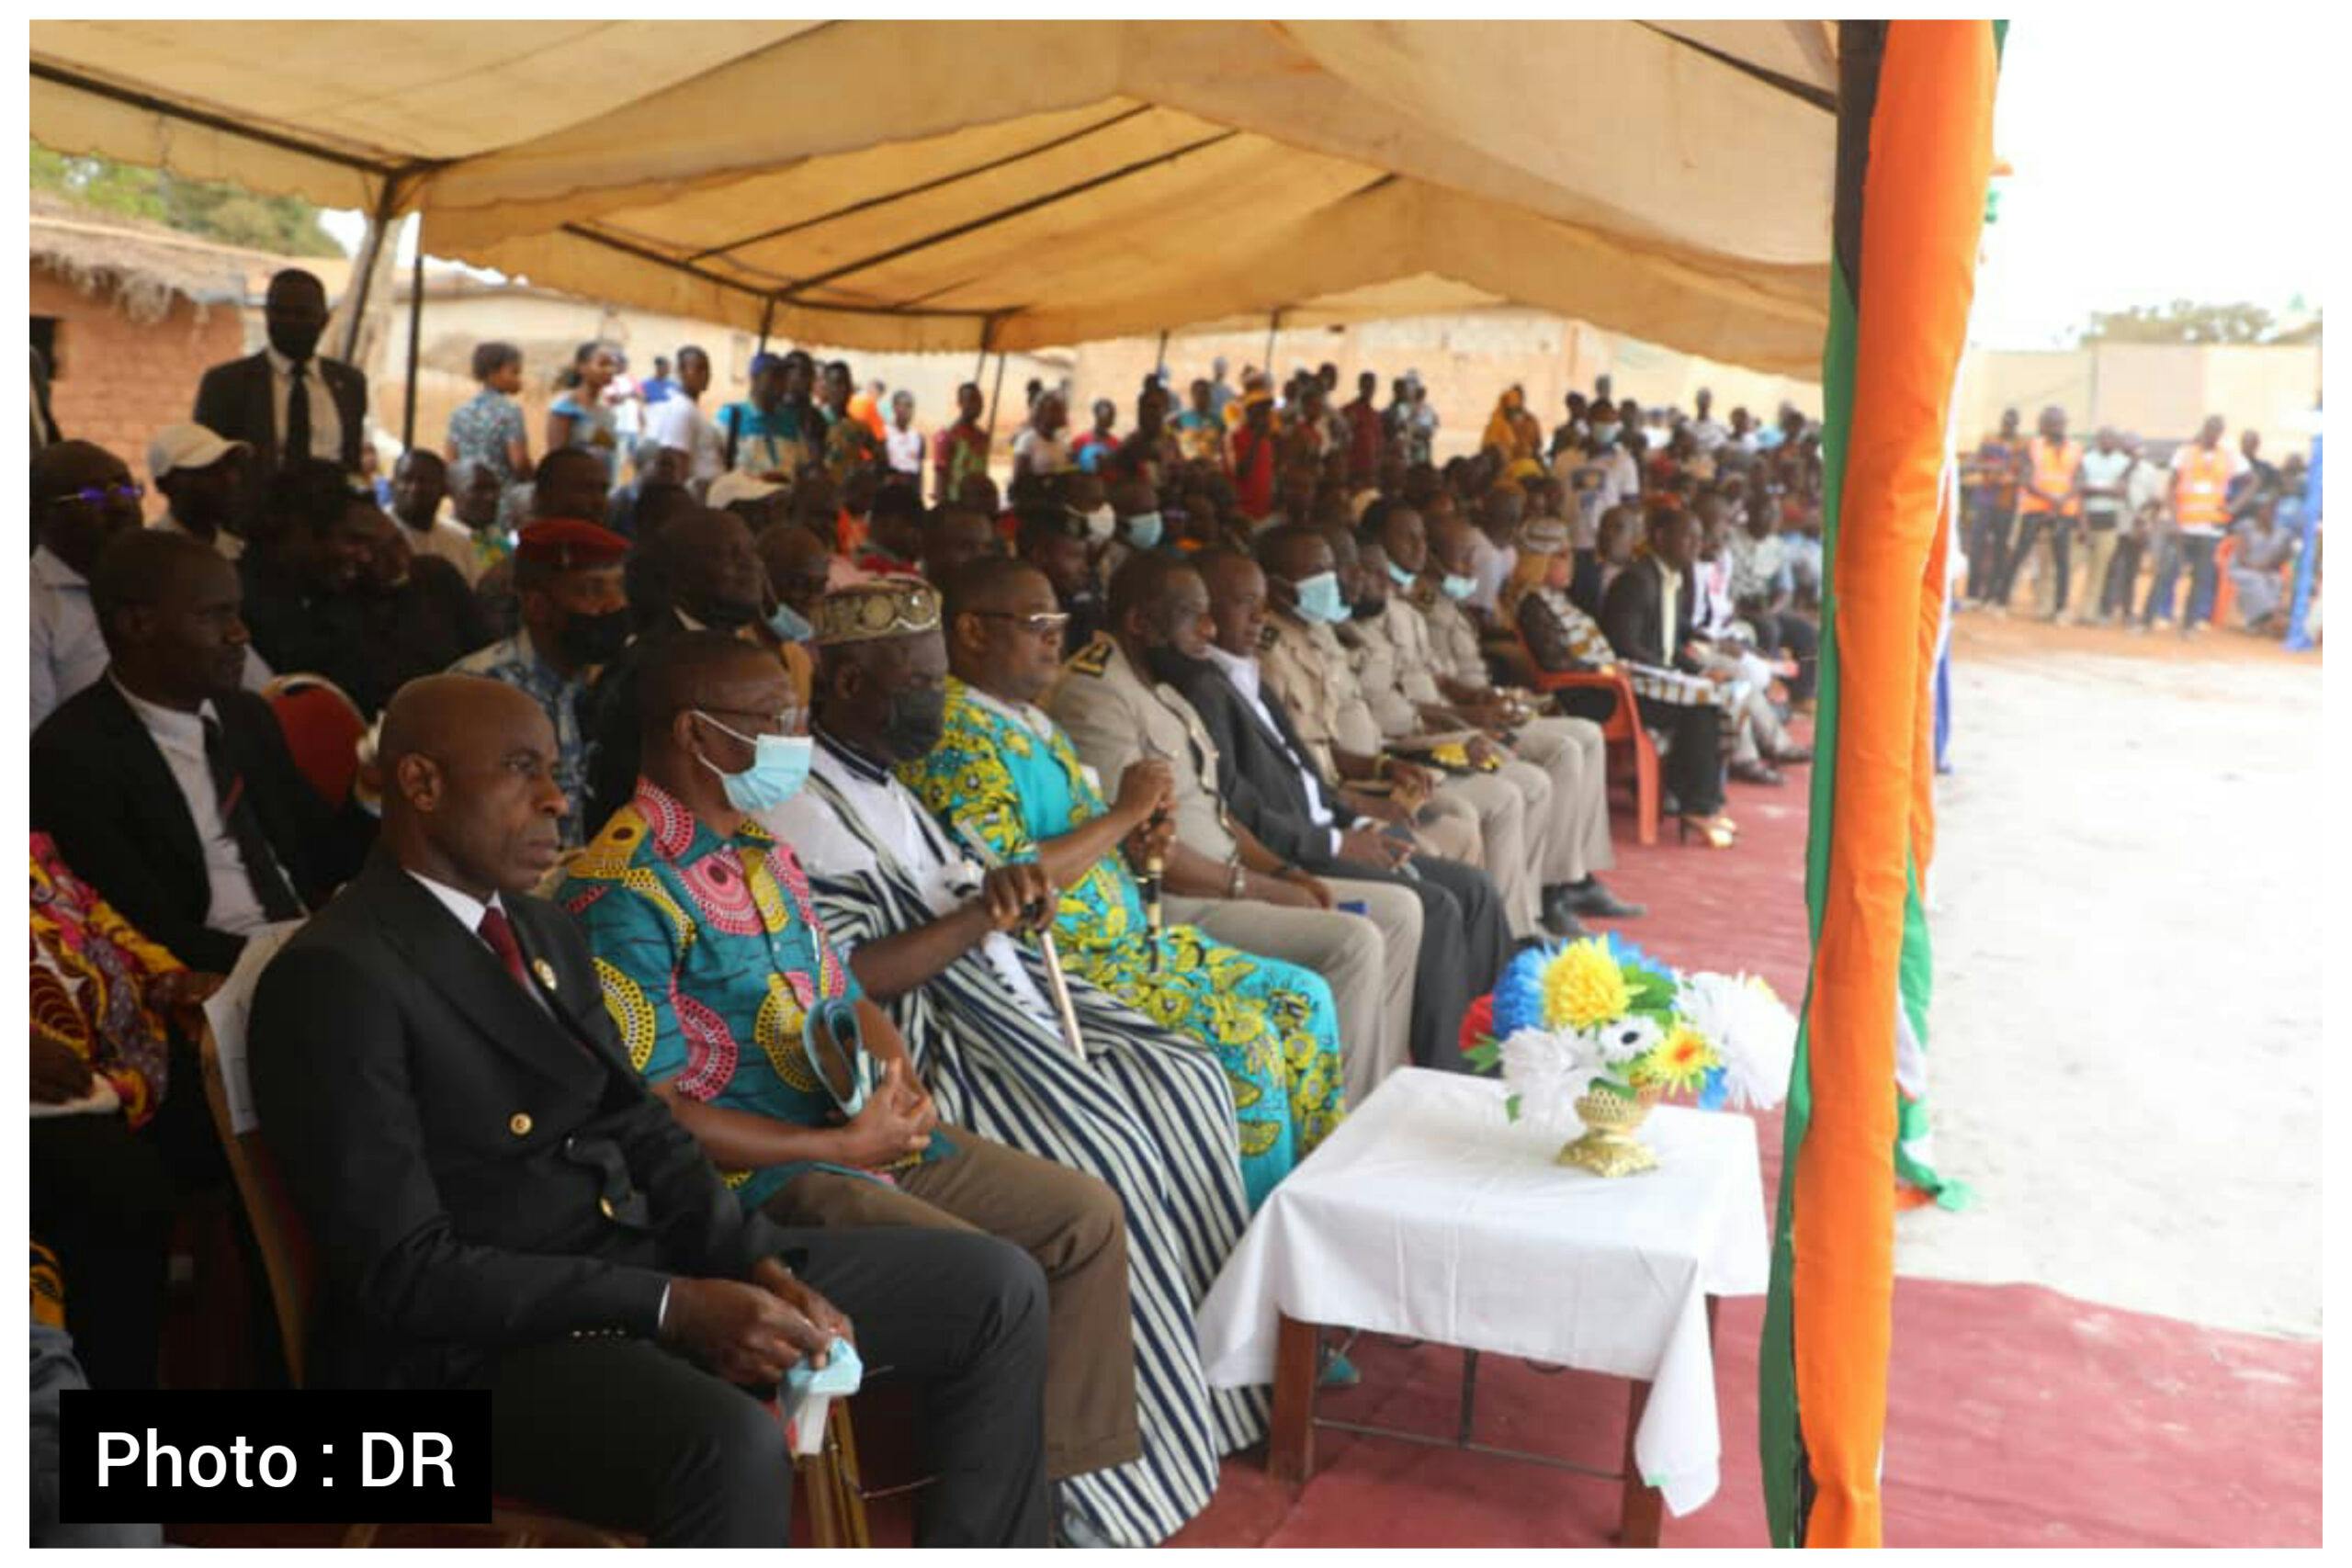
752	884
2092	524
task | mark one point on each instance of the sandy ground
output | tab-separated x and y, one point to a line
2125	1048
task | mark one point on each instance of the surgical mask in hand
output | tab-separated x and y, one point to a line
1144	530
779	767
1318	599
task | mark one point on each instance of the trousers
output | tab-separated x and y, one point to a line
2197	550
1512	846
1575	758
626	1434
1368	960
1068	1222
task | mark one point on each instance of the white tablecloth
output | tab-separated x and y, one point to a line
1428	1215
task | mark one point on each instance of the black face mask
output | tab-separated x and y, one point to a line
1369	608
723	616
594	639
913	723
1172	666
295	343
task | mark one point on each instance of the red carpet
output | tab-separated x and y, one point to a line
2016	1417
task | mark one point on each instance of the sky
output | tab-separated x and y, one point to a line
2138	160
2155	159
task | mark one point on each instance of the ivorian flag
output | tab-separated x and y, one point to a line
1915	151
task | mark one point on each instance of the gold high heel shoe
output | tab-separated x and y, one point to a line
1717	833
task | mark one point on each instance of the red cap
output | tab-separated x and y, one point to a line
567	544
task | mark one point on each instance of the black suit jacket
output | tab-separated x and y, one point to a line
1637	621
236	400
478	1173
102	789
1261	785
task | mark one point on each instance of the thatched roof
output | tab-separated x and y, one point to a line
143	268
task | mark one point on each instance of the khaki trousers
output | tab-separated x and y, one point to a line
1576	759
1068	1221
1367	960
1514	842
1448	828
2098	554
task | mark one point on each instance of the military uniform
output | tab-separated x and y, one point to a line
1114	716
1309	674
1571	751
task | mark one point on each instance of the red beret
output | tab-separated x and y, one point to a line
566	543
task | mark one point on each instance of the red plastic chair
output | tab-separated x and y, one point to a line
1631	750
323	729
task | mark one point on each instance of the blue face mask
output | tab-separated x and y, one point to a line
1318	599
790	625
779	767
1399	576
1144	530
1459	587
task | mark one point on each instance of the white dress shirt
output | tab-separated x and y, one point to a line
1243	673
453	542
67	652
677	421
326	421
469	911
234	907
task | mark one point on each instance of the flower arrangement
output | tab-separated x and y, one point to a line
1598	1027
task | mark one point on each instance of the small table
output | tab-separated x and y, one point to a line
1429	1215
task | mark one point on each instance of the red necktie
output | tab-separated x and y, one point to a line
495	931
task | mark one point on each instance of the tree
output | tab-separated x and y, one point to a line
2183	320
283	225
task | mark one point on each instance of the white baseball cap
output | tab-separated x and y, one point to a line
189	446
738	486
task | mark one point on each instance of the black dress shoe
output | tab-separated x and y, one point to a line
1559	916
1599	902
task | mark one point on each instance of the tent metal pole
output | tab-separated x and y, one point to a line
995	393
371	248
767	321
1274	324
1160	364
987	331
415	331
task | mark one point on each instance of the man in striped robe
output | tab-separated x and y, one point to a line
1145	1110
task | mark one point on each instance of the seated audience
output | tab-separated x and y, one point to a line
2263	548
1647	620
82	496
1218	876
417	613
953	535
420	484
166	785
572	1250
894	533
573	622
201	476
305	599
714	963
797	565
120	1124
929	936
1005	784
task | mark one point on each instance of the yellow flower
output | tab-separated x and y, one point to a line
1679	1061
1583	986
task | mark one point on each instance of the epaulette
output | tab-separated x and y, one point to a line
1094	658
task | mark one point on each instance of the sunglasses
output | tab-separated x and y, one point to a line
99	495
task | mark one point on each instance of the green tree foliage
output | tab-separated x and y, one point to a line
284	225
2183	320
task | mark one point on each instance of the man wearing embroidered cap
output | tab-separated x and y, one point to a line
574	619
930	936
199	472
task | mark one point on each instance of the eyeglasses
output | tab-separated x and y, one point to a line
786	722
1043	624
99	495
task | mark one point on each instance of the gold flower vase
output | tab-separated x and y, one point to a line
1608	1147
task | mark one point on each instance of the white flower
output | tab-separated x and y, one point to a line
1621	1040
1752	1030
1547	1070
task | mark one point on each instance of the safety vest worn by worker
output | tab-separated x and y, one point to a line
2201	488
2054	473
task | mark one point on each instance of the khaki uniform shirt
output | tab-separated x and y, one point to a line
1116	715
1453	640
1307	671
1374	658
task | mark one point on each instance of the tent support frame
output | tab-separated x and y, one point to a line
415	333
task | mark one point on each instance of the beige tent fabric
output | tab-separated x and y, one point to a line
901	185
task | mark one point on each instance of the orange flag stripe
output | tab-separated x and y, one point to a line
1931	148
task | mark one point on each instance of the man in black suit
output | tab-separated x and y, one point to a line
1271	786
167	786
287	403
499	1201
306	603
1647	618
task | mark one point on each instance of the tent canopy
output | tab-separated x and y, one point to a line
953	185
